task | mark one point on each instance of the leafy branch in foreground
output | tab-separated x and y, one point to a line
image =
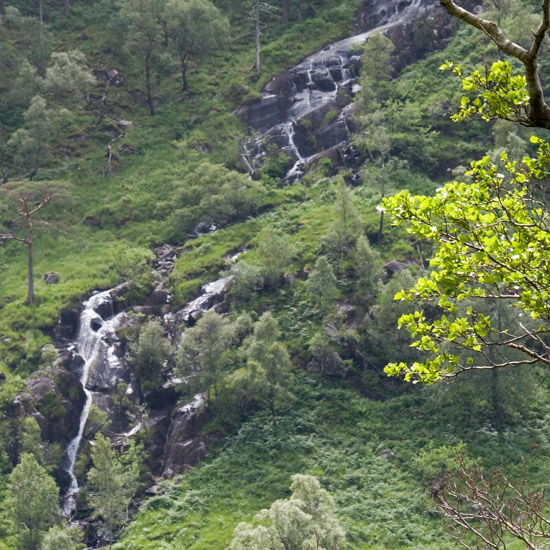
494	99
493	239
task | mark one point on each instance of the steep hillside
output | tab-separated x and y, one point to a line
246	277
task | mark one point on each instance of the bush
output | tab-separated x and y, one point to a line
149	353
247	280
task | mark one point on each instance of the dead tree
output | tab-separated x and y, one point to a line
491	508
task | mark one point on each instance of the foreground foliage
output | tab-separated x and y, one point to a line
494	238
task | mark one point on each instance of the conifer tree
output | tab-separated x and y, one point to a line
200	356
321	285
32	502
269	367
112	483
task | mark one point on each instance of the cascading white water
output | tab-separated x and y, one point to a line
330	65
91	336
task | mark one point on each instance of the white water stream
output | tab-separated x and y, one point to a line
96	341
90	342
311	97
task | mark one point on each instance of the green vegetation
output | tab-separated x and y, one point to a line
292	365
113	482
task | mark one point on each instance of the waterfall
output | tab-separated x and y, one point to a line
325	80
90	342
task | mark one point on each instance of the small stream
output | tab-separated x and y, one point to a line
97	343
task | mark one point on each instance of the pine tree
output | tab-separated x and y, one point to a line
112	483
32	502
200	356
321	285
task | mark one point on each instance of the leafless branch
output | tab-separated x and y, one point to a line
491	507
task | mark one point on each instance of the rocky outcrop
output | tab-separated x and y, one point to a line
305	112
54	398
185	444
211	295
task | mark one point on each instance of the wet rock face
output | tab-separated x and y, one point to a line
303	111
268	112
374	13
185	445
211	294
67	326
55	401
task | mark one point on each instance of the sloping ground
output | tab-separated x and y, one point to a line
328	429
335	434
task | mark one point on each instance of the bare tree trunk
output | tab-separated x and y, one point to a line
30	265
148	85
184	84
258	69
103	103
41	38
381	226
286	11
1	7
67	7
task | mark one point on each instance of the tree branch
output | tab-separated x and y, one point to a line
539	112
11	236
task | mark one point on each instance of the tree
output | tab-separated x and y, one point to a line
196	29
32	502
113	484
62	538
23	32
491	234
346	227
144	36
285	18
376	142
377	72
32	144
368	265
275	253
500	94
68	78
31	198
149	352
256	15
492	237
492	507
269	366
305	521
321	285
246	281
48	455
200	356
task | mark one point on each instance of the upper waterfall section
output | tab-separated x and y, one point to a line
293	111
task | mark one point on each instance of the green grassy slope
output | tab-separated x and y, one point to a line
327	429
